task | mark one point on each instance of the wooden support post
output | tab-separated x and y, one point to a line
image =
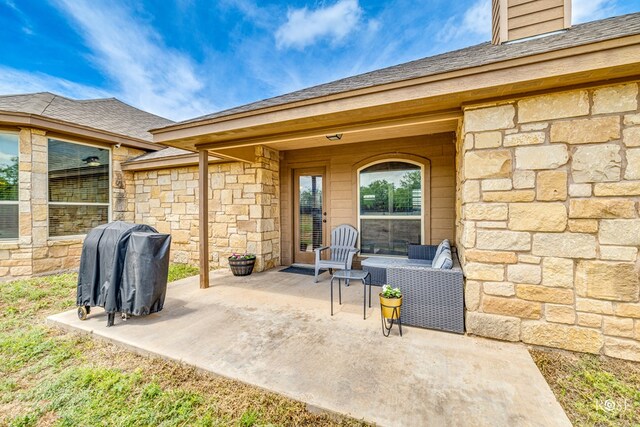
203	216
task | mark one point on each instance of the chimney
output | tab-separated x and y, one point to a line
520	19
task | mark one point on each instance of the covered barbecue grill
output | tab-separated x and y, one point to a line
124	269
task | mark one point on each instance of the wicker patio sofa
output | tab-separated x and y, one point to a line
432	297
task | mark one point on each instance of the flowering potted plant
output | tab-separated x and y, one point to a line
242	264
390	302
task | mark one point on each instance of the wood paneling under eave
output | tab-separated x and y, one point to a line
351	138
341	163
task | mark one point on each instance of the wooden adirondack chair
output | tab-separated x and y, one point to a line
341	251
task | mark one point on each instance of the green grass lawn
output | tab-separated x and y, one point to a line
593	390
51	377
180	271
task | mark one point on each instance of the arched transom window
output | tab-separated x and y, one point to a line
390	207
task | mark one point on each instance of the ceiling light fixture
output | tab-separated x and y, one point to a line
335	137
92	161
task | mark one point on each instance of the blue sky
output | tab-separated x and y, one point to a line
185	58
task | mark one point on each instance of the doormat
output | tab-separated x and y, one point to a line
301	270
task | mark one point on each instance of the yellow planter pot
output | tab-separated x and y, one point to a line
388	304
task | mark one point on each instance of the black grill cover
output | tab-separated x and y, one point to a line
102	264
144	278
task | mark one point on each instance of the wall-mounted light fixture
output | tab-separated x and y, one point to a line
92	161
335	137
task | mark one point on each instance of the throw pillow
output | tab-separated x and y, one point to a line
444	260
442	246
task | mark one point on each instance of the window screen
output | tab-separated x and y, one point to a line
78	187
9	186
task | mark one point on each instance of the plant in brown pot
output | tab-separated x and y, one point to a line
242	264
390	305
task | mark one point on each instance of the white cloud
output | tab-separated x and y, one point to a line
476	21
148	73
247	7
27	26
14	81
304	27
7	159
591	10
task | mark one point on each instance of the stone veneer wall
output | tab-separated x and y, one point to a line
34	253
549	192
244	212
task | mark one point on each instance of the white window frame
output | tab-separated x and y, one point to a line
12	202
405	217
108	204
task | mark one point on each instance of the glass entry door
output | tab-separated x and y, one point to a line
310	216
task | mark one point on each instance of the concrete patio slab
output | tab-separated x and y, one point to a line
274	330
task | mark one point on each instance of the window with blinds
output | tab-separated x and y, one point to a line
390	196
78	187
9	185
310	215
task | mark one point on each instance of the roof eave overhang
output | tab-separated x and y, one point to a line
181	160
622	54
19	119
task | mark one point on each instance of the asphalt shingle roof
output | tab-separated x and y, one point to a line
474	56
160	154
109	114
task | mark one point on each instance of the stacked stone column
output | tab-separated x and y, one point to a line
549	190
122	185
244	210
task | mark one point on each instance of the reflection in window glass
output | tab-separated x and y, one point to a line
390	207
9	186
392	188
78	187
75	219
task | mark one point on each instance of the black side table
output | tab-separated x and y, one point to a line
348	275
